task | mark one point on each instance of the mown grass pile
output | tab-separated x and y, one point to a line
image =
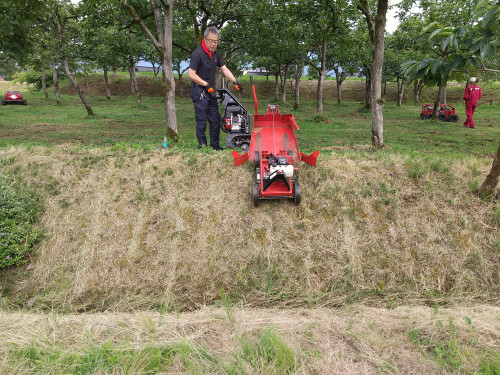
351	340
134	229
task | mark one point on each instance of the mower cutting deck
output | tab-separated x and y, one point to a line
275	152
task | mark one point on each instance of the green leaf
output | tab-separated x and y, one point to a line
489	17
434	33
485	49
430	26
435	65
468	321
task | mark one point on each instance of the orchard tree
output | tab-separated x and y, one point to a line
277	45
376	29
460	45
160	34
328	23
64	18
16	21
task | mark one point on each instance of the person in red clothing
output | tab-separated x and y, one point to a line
471	95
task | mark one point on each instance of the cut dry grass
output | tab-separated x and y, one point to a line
351	340
130	229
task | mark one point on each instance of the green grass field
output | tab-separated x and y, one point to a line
155	261
119	120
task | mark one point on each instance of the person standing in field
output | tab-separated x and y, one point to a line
471	95
202	67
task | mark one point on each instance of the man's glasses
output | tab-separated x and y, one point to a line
211	41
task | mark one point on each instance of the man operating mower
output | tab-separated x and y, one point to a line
202	67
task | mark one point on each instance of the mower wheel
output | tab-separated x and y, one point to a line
422	116
4	102
296	193
24	102
256	195
245	147
453	118
256	175
442	116
256	159
429	115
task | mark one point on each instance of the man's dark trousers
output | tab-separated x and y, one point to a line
206	109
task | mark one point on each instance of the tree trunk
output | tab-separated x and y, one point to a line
163	45
417	89
77	88
276	86
439	100
368	100
133	81
491	182
283	90
155	71
339	78
298	75
106	82
167	69
115	77
377	102
44	82
181	86
322	74
56	83
401	92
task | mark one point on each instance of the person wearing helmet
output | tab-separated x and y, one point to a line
471	95
202	67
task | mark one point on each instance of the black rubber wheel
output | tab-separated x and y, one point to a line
453	118
442	116
24	102
429	115
422	116
256	175
4	102
296	193
256	159
256	195
245	147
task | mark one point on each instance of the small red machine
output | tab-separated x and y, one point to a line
446	112
13	97
274	151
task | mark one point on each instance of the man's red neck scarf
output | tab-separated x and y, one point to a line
206	49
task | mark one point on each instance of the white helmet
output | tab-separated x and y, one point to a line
472	79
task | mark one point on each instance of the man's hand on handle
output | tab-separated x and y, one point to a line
209	88
237	86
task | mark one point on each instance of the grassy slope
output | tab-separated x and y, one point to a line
393	228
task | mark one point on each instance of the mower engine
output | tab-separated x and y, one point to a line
234	120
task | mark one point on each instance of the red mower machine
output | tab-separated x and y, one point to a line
446	112
274	150
234	120
13	97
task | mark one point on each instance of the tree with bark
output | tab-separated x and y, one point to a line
64	16
376	29
328	23
161	37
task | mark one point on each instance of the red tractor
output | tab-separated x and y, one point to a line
13	97
446	112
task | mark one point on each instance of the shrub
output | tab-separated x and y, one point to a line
19	210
